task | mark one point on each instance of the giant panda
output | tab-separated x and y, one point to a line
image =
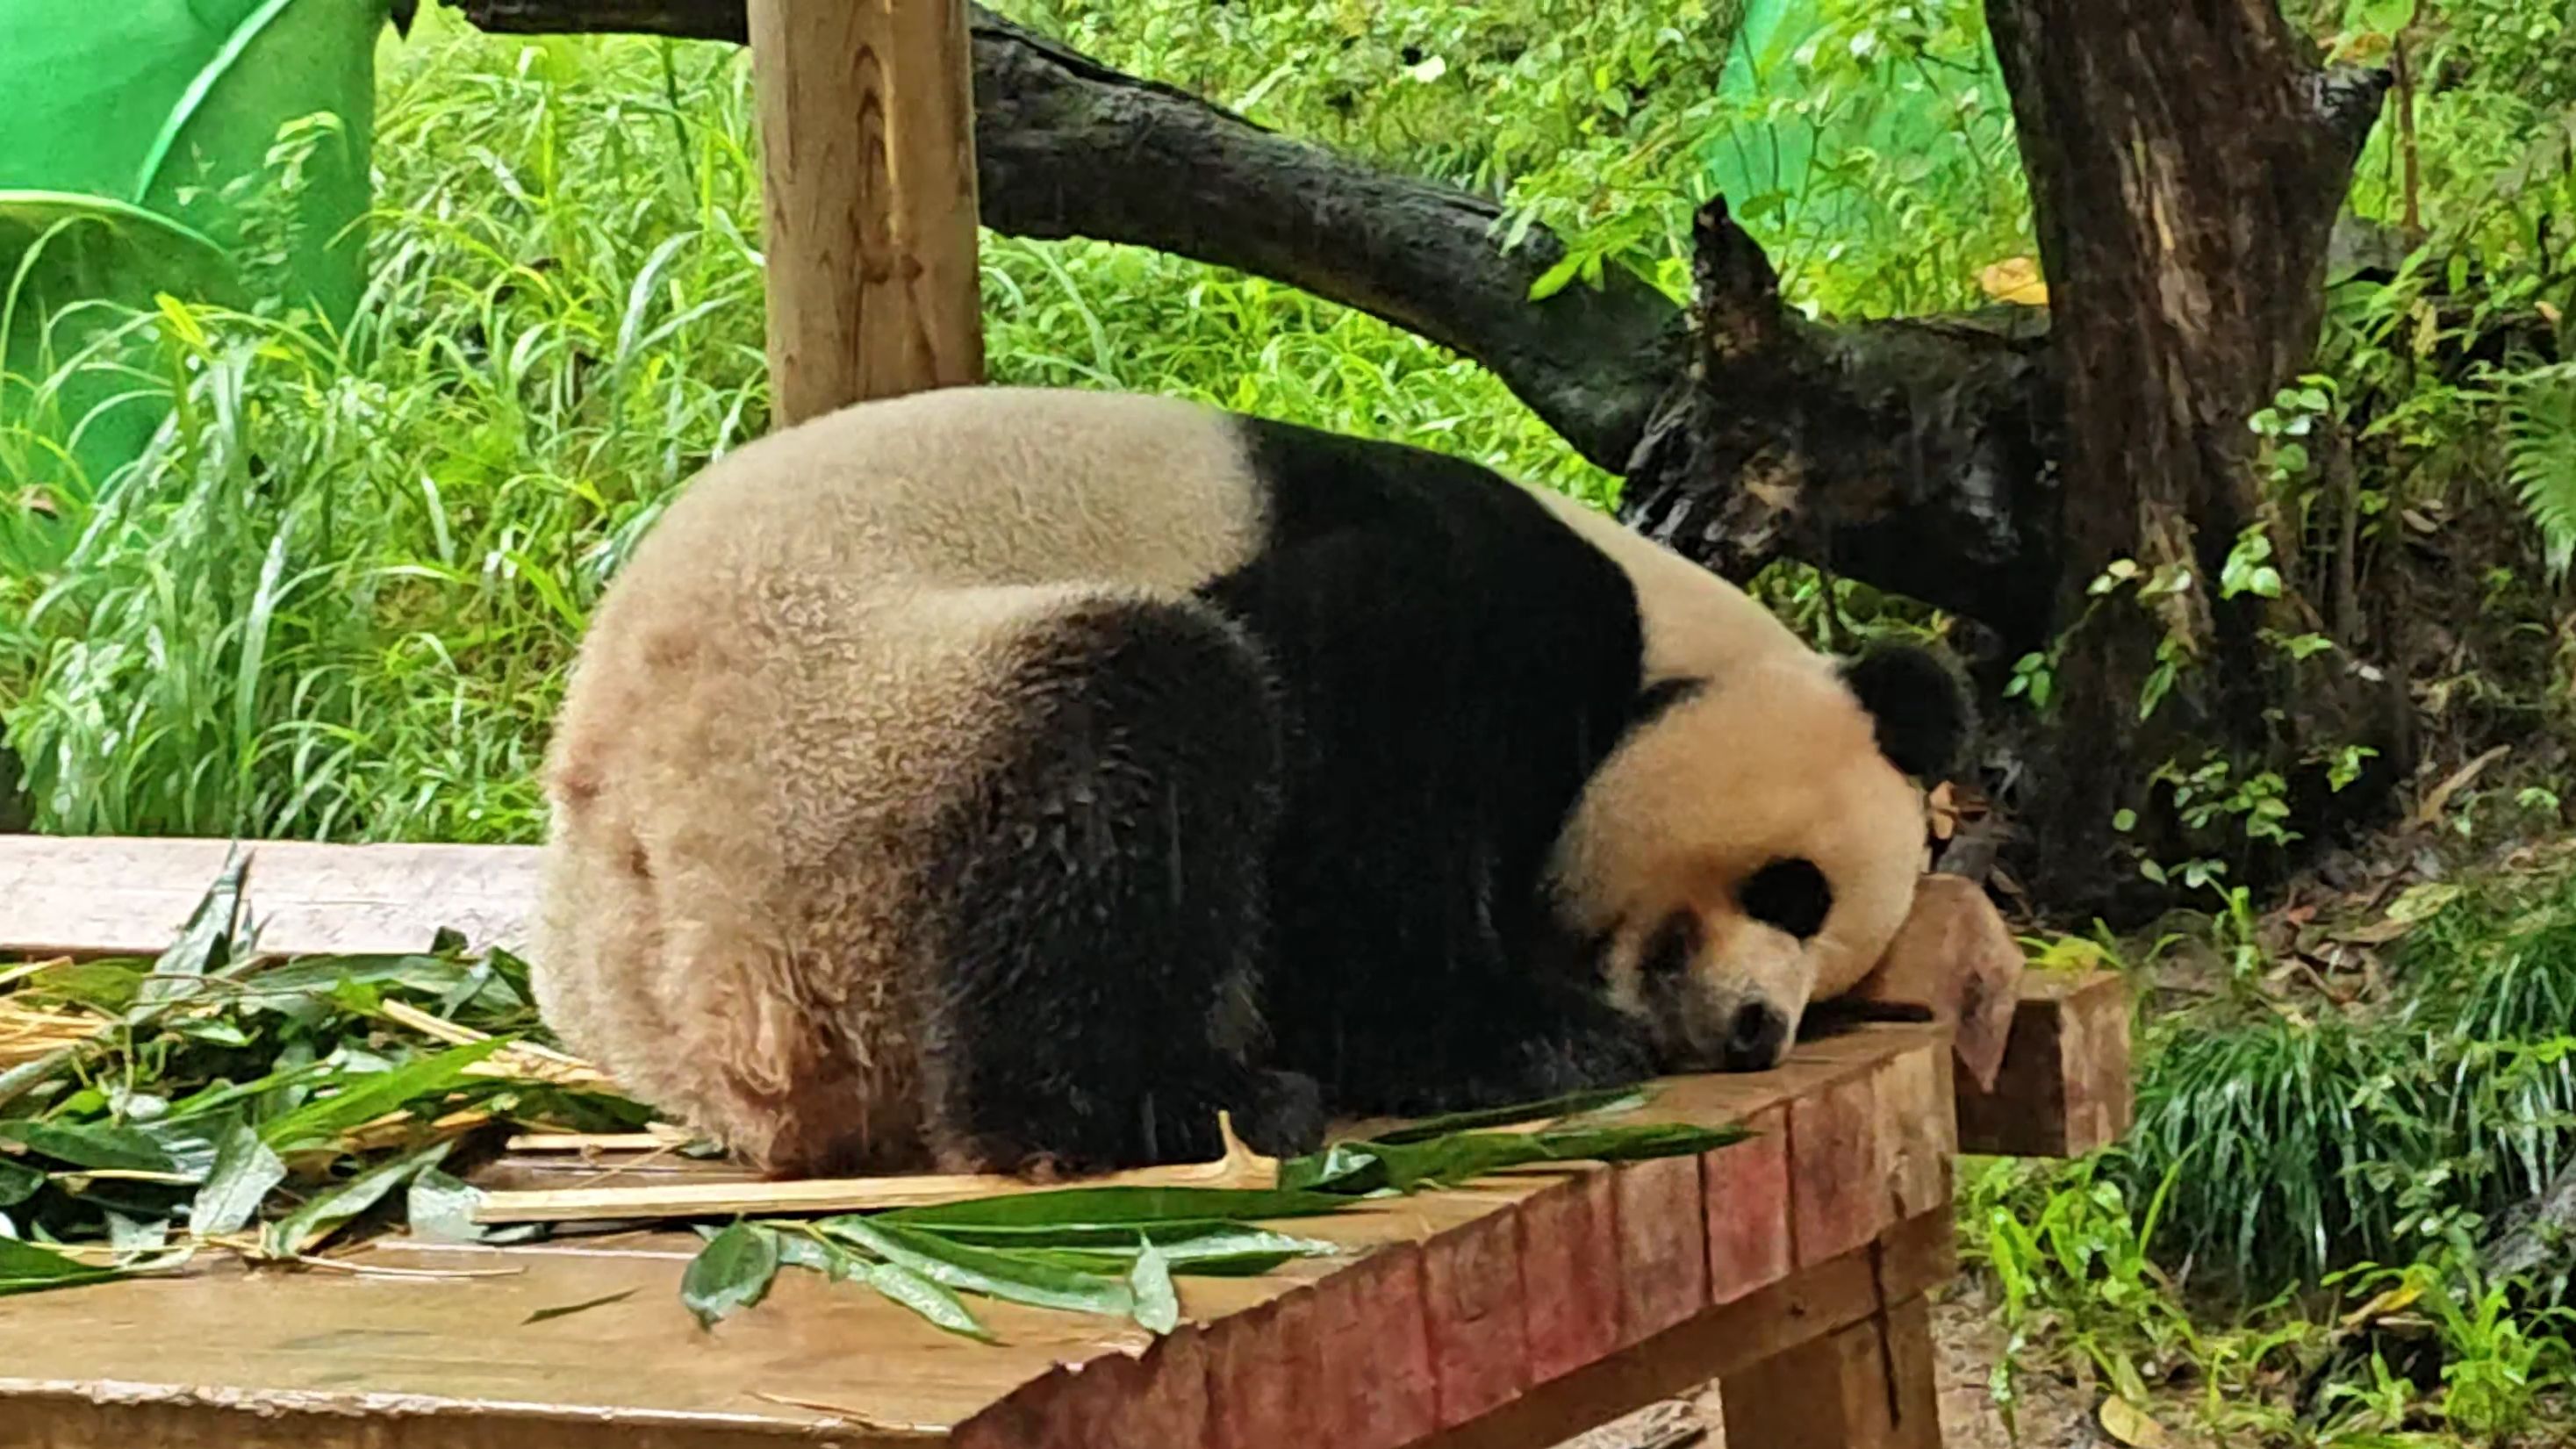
1001	779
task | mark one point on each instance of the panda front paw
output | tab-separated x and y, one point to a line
1284	1116
1597	1052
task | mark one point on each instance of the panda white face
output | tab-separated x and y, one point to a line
1746	850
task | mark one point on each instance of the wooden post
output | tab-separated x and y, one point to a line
867	121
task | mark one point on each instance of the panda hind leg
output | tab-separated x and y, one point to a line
1096	999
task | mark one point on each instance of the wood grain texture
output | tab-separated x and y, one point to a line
107	895
868	147
2064	1089
1868	1385
1838	1196
1663	1246
1746	1191
1474	1309
1570	1274
1907	1262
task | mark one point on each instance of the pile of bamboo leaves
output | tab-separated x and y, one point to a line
212	1101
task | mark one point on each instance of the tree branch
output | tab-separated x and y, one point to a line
1902	453
1066	147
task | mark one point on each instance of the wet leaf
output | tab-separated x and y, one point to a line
373	1095
731	1273
1356	1167
18	1182
94	1146
244	1171
1014	1277
922	1296
32	1267
1601	1100
305	1228
1158	1303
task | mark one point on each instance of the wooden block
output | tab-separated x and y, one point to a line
1907	1262
1663	1246
104	895
1376	1390
1266	1375
1746	1188
1918	1132
1838	1198
1473	1307
1868	1386
1112	1401
2064	1089
1570	1274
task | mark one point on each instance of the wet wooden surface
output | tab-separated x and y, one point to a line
1495	1314
117	896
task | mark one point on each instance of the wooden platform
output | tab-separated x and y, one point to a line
1792	1266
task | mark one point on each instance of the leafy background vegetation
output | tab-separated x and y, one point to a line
337	597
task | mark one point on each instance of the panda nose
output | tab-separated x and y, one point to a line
1753	1042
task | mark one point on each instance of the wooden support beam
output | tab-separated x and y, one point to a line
867	117
1866	1386
2064	1089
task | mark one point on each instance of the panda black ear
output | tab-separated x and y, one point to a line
1920	705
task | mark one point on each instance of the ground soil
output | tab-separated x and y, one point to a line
2052	1414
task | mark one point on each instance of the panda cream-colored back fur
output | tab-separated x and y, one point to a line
1006	779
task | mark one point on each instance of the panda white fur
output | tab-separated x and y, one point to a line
1009	779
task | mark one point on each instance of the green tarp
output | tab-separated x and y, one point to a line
136	158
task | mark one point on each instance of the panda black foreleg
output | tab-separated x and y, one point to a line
1097	997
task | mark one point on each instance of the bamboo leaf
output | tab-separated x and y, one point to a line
1158	1303
1359	1167
918	1293
244	1171
731	1273
205	942
300	1231
1604	1099
380	1092
18	1182
31	1268
991	1272
92	1145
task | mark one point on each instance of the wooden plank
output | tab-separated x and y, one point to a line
1746	1188
1837	1196
453	1361
1474	1310
2064	1089
1909	1261
124	896
1663	1246
867	128
1869	1385
1570	1274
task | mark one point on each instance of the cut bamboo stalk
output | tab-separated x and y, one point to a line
656	1138
1241	1167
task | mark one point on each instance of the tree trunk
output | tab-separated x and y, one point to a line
2186	163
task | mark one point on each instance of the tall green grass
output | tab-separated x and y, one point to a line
338	598
2299	1145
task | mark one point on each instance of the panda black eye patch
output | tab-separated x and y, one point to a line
1789	894
1668	951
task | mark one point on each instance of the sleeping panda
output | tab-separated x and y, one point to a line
1010	779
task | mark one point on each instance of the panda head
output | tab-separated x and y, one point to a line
1753	843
